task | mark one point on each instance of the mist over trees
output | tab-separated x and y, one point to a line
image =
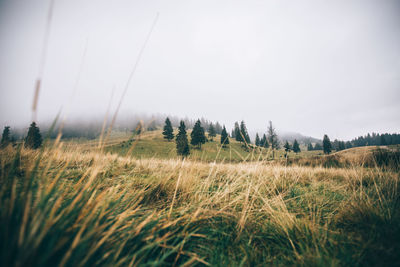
92	128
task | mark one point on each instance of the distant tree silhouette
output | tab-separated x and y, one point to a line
218	128
326	144
5	138
34	138
310	147
296	146
212	132
168	131
287	146
272	138
244	133
182	144
348	144
197	136
264	141
224	137
318	146
238	135
233	134
257	140
341	145
383	141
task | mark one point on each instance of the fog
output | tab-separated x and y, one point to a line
312	67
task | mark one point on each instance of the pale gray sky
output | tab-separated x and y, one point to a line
312	67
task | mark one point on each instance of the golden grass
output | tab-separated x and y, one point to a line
298	207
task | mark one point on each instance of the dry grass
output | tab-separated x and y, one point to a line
76	207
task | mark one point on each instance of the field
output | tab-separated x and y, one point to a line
133	203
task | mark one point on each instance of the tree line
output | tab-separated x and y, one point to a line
239	133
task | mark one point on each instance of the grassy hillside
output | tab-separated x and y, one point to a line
152	145
72	206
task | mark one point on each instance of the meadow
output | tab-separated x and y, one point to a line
133	202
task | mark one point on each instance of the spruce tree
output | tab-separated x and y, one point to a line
326	144
168	131
182	144
310	147
197	136
34	138
296	146
212	132
272	138
287	146
244	133
257	141
238	136
264	141
5	138
224	137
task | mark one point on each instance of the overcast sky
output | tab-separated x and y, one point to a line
311	67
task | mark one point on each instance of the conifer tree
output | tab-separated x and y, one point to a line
197	136
238	135
182	144
310	147
264	141
272	138
224	137
257	141
287	146
168	131
5	138
244	133
211	132
326	144
34	138
296	147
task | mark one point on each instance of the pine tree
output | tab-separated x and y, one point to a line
211	132
296	147
272	138
310	147
238	135
264	141
244	133
287	146
5	138
197	136
326	144
34	138
224	137
168	131
257	141
182	144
